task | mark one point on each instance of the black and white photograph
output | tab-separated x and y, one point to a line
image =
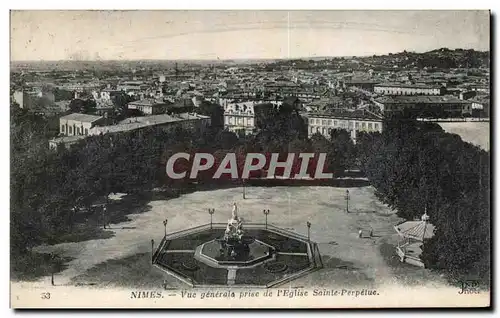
250	159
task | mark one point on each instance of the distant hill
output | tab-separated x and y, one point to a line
439	58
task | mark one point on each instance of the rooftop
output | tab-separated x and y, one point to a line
82	117
67	139
149	120
416	229
116	128
419	99
404	85
147	102
132	83
480	99
192	116
142	122
160	119
361	81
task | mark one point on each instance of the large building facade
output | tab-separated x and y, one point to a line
239	117
352	121
78	124
164	122
425	106
148	106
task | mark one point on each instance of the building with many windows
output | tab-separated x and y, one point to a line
367	85
352	121
240	117
132	87
425	106
481	105
408	89
148	106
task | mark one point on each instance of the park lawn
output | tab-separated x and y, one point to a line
32	266
133	271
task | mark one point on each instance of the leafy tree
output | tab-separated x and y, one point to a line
215	111
343	150
82	106
226	139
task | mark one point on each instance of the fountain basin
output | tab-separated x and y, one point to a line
255	252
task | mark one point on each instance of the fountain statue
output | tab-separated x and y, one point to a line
234	244
235	211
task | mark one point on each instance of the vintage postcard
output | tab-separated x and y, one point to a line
250	159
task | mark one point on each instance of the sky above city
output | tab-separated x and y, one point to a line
131	35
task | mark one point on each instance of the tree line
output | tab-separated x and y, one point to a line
417	167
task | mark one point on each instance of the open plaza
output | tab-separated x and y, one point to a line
355	248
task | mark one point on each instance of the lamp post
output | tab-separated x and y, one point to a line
211	212
308	231
165	226
52	268
347	200
152	250
266	212
243	181
104	215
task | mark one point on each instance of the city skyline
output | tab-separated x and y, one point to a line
239	35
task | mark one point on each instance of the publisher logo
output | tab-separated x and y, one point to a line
469	287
